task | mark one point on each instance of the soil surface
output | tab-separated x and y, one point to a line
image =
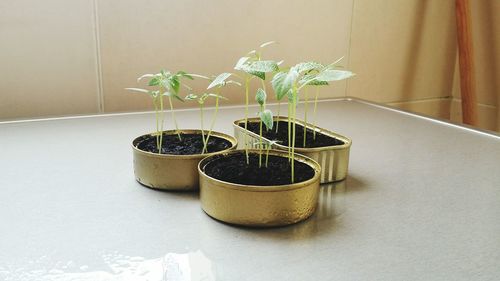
189	145
233	168
282	135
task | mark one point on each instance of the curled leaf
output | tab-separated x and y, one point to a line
261	96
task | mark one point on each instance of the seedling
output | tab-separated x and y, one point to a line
253	66
266	118
201	101
291	81
166	84
218	83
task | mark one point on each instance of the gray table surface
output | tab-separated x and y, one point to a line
421	202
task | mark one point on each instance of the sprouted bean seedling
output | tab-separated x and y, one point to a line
166	84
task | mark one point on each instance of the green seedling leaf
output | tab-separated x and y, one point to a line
261	75
191	97
267	118
174	83
219	80
261	96
283	82
145	76
155	81
184	74
261	66
267	44
305	67
333	75
241	62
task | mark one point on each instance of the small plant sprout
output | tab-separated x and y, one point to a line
290	82
309	76
167	85
201	101
252	66
266	118
218	83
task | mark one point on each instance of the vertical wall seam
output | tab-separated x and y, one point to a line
100	93
349	49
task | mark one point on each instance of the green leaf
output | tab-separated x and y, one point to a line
241	62
261	96
184	74
280	89
175	83
310	79
155	81
191	97
333	75
145	76
261	75
305	67
267	44
219	80
267	118
261	66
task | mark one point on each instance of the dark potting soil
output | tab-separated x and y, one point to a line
282	135
233	168
190	144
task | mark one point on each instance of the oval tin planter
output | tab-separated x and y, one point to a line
260	206
334	160
171	172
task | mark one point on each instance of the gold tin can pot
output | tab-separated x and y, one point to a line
260	206
334	160
171	172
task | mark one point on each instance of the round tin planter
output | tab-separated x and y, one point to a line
171	172
260	206
334	160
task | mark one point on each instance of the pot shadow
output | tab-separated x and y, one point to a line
331	206
184	194
355	184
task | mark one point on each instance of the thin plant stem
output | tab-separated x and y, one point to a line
306	105
162	118
260	139
247	82
173	118
202	131
314	113
294	107
157	125
289	130
277	119
213	123
267	153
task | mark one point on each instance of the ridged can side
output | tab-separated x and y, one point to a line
259	206
334	160
171	172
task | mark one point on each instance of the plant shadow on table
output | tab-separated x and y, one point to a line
326	219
